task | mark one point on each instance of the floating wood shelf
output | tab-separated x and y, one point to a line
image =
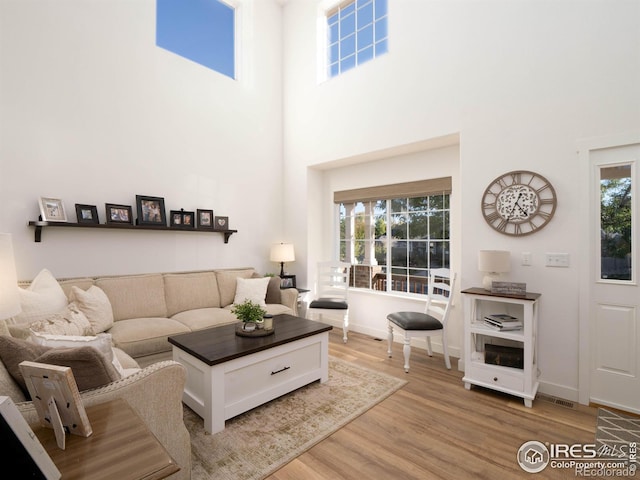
39	225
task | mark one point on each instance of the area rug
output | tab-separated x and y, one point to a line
257	443
616	430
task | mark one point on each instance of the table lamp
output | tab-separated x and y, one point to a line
282	252
9	293
493	263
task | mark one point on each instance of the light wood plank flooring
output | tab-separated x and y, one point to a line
433	428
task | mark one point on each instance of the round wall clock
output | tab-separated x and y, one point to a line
519	203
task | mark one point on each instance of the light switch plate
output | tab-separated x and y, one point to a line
556	260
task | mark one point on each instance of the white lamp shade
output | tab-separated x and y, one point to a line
9	294
282	252
494	261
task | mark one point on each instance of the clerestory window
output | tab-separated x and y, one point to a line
357	31
202	31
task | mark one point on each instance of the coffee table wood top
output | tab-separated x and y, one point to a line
221	344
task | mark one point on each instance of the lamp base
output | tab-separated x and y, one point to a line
488	280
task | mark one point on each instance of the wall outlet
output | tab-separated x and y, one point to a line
556	260
526	259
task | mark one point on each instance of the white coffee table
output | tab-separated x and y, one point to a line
228	374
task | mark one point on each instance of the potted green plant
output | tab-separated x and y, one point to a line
249	313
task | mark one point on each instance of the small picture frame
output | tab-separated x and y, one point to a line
150	210
52	210
87	213
55	395
221	223
182	219
288	281
204	219
118	213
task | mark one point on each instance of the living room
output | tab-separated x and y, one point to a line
93	112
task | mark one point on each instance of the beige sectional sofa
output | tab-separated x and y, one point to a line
147	309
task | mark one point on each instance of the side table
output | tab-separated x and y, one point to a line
121	447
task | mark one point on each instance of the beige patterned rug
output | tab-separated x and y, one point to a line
255	444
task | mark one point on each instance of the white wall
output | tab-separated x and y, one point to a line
91	111
521	82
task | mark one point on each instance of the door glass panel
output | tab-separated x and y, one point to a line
615	223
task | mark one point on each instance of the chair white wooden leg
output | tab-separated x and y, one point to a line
406	350
345	328
447	362
429	350
445	351
389	339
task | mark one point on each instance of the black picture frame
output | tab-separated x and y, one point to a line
204	219
118	214
151	210
221	223
287	281
182	219
87	214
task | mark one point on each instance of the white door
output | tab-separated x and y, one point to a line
614	304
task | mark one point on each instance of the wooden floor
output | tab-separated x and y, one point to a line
433	428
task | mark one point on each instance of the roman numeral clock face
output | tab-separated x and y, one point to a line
519	203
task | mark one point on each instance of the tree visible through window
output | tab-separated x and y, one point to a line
615	222
356	33
393	243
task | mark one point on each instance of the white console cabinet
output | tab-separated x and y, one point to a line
522	382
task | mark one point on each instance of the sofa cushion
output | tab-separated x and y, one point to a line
4	328
188	291
96	306
101	342
9	387
90	368
145	336
202	318
227	283
15	350
41	299
253	289
273	290
83	283
135	296
71	321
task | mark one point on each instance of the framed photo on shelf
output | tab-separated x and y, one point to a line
52	210
182	219
118	213
205	219
221	223
288	281
87	213
151	210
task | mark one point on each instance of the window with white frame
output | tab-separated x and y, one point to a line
356	33
394	240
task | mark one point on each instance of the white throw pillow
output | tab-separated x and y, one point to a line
95	304
254	289
43	298
101	342
71	321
